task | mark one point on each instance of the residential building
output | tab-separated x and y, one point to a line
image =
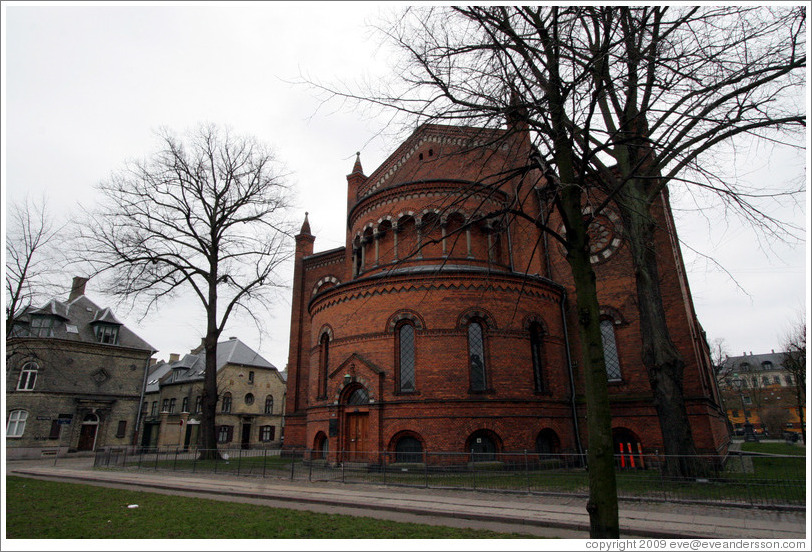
759	389
74	379
437	329
251	395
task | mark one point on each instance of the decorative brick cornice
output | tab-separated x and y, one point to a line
463	281
463	137
426	190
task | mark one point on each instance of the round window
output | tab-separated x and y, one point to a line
249	399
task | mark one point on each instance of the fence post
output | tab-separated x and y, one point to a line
310	471
292	468
343	463
239	460
473	468
157	452
216	456
426	466
175	461
123	463
527	470
194	461
662	477
264	459
383	466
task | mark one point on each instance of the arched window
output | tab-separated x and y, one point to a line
537	354
409	449
16	423
269	404
324	362
28	377
226	406
249	399
406	357
359	396
610	350
476	356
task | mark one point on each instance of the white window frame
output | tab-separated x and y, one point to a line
15	426
265	433
28	377
42	324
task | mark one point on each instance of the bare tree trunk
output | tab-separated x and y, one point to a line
208	426
209	421
602	505
800	402
663	362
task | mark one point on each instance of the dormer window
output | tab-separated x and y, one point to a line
42	326
107	333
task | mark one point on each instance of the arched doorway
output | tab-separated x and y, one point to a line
321	446
356	427
628	448
408	449
547	442
483	446
88	433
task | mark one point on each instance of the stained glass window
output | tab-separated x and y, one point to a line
406	344
610	351
536	353
476	356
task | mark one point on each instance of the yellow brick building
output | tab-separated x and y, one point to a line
251	396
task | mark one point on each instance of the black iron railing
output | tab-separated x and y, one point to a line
737	478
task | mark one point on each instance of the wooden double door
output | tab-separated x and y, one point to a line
357	436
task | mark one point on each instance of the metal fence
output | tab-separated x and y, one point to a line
745	479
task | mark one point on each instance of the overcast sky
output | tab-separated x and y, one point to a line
86	87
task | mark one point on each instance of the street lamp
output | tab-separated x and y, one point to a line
749	435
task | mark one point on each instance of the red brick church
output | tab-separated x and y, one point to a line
428	333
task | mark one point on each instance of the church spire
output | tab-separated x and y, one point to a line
305	226
357	168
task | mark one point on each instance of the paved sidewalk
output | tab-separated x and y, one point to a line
534	515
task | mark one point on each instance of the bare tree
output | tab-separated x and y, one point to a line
774	420
203	214
31	259
620	102
795	364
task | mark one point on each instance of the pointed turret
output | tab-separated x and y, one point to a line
357	168
304	240
355	180
305	231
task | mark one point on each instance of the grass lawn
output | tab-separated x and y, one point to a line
50	510
774	448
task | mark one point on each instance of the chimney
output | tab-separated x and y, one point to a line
773	350
77	288
174	357
200	348
153	361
